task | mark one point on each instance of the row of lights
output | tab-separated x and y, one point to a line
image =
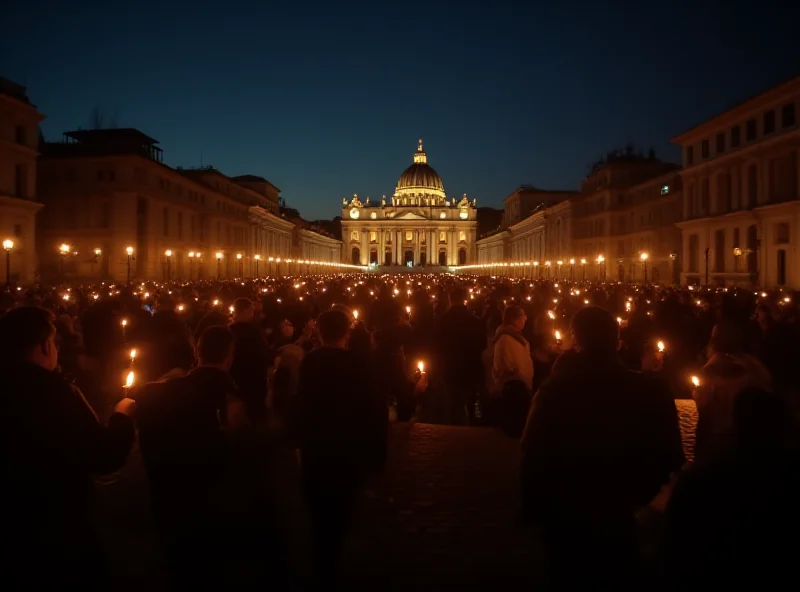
66	249
582	261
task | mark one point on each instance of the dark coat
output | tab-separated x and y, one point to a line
599	440
52	445
341	417
461	340
249	369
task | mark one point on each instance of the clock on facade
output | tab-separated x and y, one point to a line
354	213
463	214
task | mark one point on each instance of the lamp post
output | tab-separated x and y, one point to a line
168	255
97	252
269	265
536	269
8	244
63	250
559	263
673	257
547	265
129	252
219	264
643	257
571	269
241	264
601	262
257	258
191	263
583	265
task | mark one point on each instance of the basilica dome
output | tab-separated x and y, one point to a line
420	178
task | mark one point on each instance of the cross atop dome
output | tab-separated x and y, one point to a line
420	156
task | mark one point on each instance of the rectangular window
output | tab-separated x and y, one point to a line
769	122
166	221
736	136
442	238
720	143
409	236
689	155
704	150
462	236
373	237
787	115
750	130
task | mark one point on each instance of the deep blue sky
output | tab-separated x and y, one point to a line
328	99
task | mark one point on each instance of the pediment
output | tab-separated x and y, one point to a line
409	216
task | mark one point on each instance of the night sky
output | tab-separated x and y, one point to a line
328	99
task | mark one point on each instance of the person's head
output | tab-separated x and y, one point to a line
28	334
334	328
458	295
285	328
594	330
514	316
243	311
727	338
215	348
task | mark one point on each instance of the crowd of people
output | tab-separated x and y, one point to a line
212	382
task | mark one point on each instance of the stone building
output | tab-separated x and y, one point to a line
19	148
417	225
106	190
741	214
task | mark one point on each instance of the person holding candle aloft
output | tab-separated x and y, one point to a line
53	445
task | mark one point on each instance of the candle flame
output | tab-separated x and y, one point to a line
695	381
421	366
133	354
355	314
408	309
661	346
129	380
124	322
558	335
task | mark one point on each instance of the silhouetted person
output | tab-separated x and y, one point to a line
185	451
250	359
734	516
599	443
341	421
52	444
460	345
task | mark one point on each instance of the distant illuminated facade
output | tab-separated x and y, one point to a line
418	225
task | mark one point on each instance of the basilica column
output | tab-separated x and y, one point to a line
417	243
364	245
397	246
381	247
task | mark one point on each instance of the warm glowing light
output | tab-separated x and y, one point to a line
559	262
600	258
619	320
558	335
65	249
147	294
133	354
168	252
547	264
65	297
181	308
219	255
230	308
585	301
129	251
421	366
643	256
129	379
238	255
536	264
98	251
124	322
257	257
572	261
628	306
583	261
695	381
216	302
355	314
551	314
191	254
8	244
661	346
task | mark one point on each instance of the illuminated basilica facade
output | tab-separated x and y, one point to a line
418	226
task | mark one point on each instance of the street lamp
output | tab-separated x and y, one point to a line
559	263
643	257
257	258
583	264
601	261
571	268
129	253
97	252
8	244
168	254
64	250
547	265
241	264
219	264
191	262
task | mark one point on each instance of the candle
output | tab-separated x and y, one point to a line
551	314
661	347
558	337
421	366
133	355
216	302
695	381
355	314
408	309
180	307
129	380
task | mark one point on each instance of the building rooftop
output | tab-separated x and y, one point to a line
104	142
14	90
